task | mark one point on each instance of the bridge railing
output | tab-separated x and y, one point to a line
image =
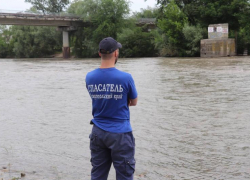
38	14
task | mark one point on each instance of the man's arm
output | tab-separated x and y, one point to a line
132	102
132	94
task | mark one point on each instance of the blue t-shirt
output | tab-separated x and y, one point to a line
110	90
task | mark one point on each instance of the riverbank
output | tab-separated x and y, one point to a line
7	174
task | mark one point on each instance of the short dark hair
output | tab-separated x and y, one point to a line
106	56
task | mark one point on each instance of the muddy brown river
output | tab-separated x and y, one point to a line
192	120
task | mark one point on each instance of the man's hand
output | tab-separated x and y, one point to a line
132	102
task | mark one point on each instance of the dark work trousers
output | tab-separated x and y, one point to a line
107	148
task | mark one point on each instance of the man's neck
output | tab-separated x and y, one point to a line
107	64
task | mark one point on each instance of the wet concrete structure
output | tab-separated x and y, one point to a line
218	44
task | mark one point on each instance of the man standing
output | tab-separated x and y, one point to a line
112	92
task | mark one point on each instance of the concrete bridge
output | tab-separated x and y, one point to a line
64	22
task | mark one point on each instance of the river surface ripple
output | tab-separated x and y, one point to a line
192	120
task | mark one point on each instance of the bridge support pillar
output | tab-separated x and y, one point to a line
66	30
66	48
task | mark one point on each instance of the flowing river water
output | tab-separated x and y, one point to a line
192	120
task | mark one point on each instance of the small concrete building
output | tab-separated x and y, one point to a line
218	44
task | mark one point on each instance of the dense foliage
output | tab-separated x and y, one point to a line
29	42
49	6
180	25
4	42
201	13
147	13
171	24
136	43
33	41
108	17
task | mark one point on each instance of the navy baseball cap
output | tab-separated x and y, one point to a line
108	45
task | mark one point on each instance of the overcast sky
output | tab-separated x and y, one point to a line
136	5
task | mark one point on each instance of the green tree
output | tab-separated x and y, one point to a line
108	18
3	47
137	43
223	11
147	13
207	12
201	13
171	24
193	36
5	42
49	6
35	42
189	7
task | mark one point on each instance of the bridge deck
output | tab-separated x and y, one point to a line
61	20
30	15
40	20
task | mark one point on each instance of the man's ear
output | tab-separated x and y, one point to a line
99	54
116	53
